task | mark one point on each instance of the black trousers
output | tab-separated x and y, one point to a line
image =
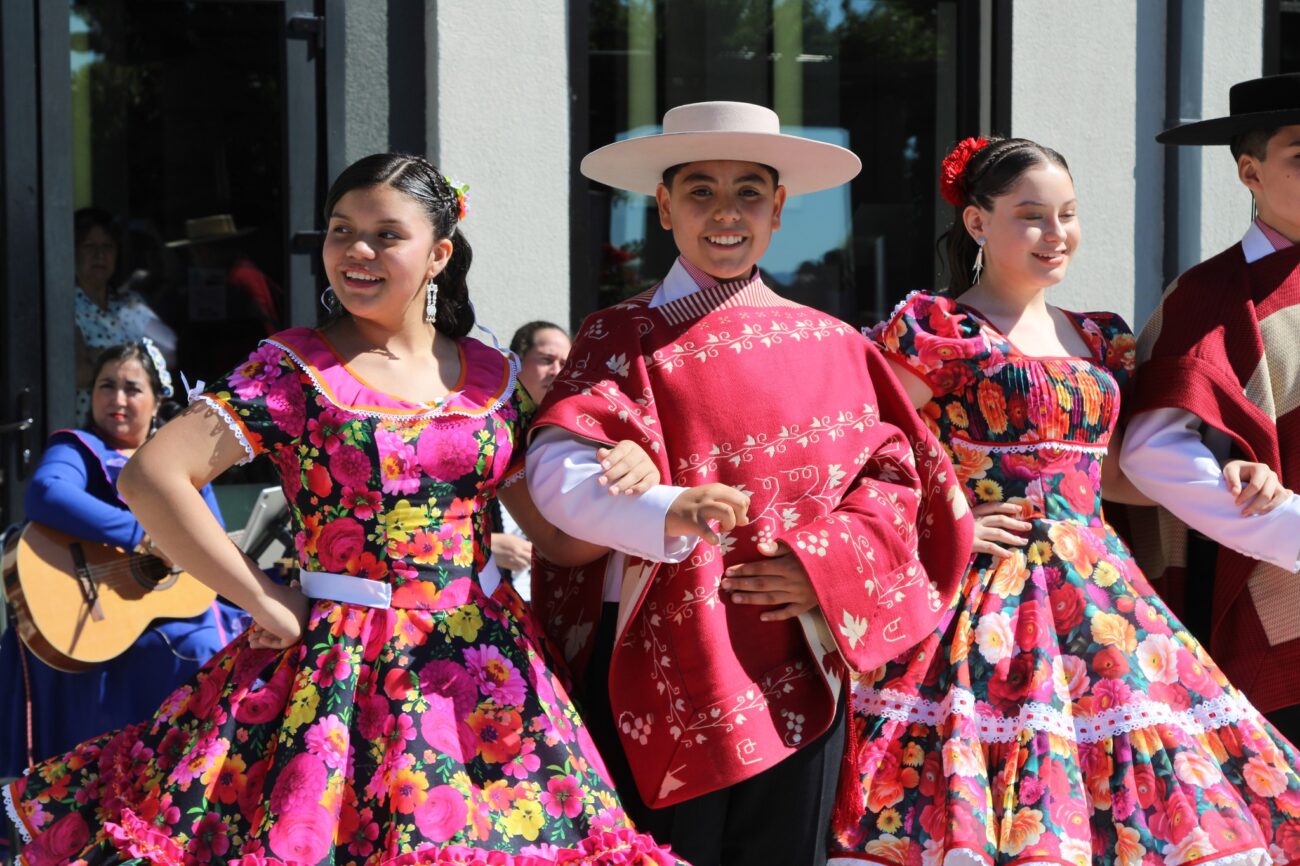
780	817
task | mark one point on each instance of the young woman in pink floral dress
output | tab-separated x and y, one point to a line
395	710
1060	715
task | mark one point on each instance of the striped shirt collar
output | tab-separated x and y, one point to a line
686	279
1276	238
1261	240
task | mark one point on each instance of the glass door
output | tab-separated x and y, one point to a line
176	147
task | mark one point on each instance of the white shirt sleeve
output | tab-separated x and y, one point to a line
562	473
1165	457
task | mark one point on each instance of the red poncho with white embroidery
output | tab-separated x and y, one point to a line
736	385
1223	346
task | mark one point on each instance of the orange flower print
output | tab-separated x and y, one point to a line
993	406
1122	353
497	733
408	790
1263	778
970	462
886	789
1069	546
229	782
1023	830
1090	395
1113	630
1129	848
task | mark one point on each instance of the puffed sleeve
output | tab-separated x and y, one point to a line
1119	346
935	339
263	400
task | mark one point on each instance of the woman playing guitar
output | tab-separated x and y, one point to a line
74	491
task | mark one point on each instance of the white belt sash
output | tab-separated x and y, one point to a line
346	588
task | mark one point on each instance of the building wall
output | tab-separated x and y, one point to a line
499	120
1089	80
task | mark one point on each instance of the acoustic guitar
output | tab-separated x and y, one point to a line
78	603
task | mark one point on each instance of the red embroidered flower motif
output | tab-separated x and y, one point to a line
951	185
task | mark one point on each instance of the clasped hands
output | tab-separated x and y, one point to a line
780	580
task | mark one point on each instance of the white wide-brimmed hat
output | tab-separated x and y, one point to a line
721	130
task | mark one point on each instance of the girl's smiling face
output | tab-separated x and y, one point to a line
379	252
1031	232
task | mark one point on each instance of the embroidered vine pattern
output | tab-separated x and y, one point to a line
771	445
767	336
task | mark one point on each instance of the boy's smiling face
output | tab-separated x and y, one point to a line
1275	181
722	213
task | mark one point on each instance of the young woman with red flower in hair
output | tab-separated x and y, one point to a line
1060	691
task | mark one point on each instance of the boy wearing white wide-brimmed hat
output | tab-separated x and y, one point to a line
809	526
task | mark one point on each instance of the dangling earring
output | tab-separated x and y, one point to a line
329	300
979	263
430	300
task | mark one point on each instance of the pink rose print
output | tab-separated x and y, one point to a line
303	835
398	470
452	696
448	451
442	815
340	543
253	378
62	839
264	704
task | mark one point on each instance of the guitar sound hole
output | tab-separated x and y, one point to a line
152	573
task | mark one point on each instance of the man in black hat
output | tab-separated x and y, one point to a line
1219	377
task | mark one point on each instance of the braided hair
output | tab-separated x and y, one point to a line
420	180
991	172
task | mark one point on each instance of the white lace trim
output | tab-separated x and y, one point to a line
1253	857
893	314
1224	710
11	810
968	857
514	479
435	412
227	416
1026	447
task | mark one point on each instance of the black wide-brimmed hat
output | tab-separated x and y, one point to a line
1262	103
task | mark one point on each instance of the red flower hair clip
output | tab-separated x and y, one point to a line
953	169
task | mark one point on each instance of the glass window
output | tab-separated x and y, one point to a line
1288	39
178	158
876	76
